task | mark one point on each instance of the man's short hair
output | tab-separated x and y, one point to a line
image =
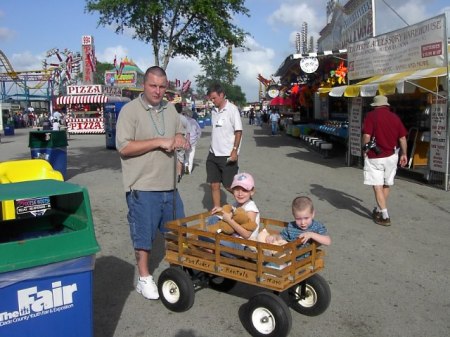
215	87
155	70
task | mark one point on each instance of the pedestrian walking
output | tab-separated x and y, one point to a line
274	120
195	132
384	135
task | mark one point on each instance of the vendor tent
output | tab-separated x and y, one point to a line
84	99
88	99
404	82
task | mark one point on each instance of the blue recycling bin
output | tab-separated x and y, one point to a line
201	122
48	258
8	130
207	121
111	113
50	146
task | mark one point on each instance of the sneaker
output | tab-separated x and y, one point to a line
186	170
383	222
376	214
147	287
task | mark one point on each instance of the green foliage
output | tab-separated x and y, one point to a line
188	28
234	94
217	69
99	77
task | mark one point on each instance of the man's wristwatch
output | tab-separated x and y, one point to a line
234	147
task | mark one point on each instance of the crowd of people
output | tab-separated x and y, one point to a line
28	119
259	117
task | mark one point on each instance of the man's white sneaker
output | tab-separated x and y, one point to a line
147	287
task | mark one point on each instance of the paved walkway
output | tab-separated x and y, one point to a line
384	281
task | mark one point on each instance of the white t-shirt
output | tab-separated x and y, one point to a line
56	115
250	206
224	123
195	132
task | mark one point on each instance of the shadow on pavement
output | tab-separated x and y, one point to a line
91	159
113	282
207	199
335	159
341	200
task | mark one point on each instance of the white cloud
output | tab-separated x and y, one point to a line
26	61
107	55
6	34
250	63
293	14
388	19
183	69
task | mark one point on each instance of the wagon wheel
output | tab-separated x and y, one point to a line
176	289
221	283
266	314
310	297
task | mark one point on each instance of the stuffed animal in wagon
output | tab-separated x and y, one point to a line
239	215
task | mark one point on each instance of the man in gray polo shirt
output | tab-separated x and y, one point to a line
148	132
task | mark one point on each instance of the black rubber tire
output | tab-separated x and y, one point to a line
317	296
221	283
267	315
176	289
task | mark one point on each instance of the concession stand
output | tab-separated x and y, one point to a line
352	65
85	105
410	66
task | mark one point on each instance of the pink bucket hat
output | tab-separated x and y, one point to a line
244	180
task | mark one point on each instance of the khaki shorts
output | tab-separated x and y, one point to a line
380	171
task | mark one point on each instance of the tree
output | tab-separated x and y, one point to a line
101	68
188	28
217	68
234	94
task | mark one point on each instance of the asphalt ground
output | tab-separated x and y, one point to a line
385	281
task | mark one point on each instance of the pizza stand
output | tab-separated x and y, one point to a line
85	106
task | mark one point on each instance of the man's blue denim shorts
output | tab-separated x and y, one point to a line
148	211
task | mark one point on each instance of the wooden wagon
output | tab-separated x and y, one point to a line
198	258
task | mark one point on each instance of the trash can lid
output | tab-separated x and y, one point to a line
64	232
47	139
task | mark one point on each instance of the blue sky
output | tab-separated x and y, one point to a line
29	28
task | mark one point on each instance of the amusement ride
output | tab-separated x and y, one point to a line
59	68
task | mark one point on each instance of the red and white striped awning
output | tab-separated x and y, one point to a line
82	99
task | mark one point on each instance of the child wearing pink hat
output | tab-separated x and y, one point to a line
243	188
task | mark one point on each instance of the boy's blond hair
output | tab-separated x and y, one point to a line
301	204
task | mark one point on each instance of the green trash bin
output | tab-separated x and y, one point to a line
47	260
51	146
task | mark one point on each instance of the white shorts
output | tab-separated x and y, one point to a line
380	171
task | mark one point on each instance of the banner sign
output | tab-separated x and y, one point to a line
416	47
357	23
125	79
85	125
438	144
350	23
355	126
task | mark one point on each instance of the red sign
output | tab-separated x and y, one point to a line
84	89
85	125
